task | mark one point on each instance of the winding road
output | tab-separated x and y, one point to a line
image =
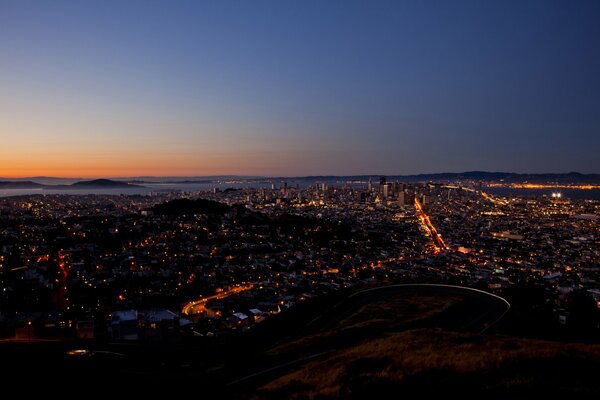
198	307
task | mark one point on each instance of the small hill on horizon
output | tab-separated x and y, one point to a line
20	185
100	183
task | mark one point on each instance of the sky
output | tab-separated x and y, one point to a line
293	88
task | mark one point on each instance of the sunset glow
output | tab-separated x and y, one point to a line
122	89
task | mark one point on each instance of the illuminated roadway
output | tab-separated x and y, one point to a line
481	193
438	242
199	306
493	199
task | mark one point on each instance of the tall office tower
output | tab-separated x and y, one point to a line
386	190
382	183
284	190
409	197
401	198
370	187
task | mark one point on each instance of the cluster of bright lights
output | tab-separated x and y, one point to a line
556	195
199	306
438	242
543	186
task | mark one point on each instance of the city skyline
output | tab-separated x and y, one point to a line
138	88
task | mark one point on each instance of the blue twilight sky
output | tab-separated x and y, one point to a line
124	88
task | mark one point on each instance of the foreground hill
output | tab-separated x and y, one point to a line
426	341
389	343
440	362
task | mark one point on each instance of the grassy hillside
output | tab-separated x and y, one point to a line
434	361
391	343
397	345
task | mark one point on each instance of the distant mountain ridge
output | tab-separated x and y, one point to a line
133	182
92	184
570	177
20	185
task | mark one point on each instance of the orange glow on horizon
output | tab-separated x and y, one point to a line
120	156
100	172
133	165
88	169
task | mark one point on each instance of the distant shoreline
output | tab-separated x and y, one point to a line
481	176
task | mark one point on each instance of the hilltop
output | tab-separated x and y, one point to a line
188	206
437	362
100	183
382	344
428	341
20	185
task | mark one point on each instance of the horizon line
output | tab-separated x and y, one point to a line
287	176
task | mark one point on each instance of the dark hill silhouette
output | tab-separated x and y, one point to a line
100	183
20	185
188	206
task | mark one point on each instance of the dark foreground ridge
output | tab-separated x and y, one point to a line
401	339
